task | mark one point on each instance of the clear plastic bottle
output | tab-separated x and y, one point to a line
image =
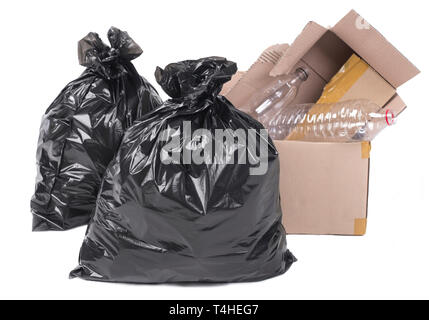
357	120
275	96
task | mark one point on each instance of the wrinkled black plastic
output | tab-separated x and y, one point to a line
83	128
157	223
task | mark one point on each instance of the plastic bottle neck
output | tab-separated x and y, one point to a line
299	76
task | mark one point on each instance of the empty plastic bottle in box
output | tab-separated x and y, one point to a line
357	120
276	95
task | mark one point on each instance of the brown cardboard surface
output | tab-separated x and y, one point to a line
321	53
325	51
326	48
324	187
343	80
368	43
370	86
257	76
357	80
306	40
327	55
396	105
230	84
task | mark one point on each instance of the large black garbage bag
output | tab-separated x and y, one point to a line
83	128
168	218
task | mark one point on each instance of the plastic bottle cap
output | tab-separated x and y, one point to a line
303	74
390	117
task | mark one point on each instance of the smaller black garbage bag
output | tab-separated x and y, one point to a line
83	128
186	199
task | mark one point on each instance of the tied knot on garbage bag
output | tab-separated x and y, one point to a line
195	79
108	61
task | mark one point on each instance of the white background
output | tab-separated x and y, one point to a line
38	57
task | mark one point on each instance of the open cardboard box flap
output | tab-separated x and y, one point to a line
362	38
325	51
370	45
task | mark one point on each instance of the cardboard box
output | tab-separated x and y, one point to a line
324	186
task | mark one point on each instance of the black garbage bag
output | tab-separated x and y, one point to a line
167	214
83	128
